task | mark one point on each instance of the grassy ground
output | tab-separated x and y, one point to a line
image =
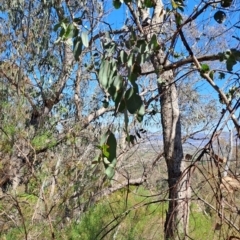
130	214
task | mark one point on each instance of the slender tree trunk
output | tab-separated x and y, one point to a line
176	224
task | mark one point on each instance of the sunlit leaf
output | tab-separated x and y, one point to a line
110	172
123	56
204	68
103	139
71	31
130	60
84	37
105	150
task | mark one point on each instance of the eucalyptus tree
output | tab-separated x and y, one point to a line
49	101
56	54
154	36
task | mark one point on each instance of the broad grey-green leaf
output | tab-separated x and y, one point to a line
231	61
112	146
110	172
119	102
84	37
77	48
134	102
123	56
141	110
130	60
113	163
58	25
134	72
153	44
71	31
104	73
116	86
141	113
103	139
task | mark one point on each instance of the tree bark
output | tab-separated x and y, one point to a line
176	224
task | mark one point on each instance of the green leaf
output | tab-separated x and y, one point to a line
131	139
123	56
106	162
141	113
104	73
231	61
149	3
103	139
112	146
71	31
119	102
211	75
178	4
110	172
220	16
141	45
226	3
205	68
105	151
78	21
105	103
174	5
116	86
62	32
221	75
141	110
58	25
117	4
130	60
84	37
135	71
139	118
108	144
179	18
153	44
77	48
113	163
133	101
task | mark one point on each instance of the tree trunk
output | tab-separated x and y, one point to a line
176	224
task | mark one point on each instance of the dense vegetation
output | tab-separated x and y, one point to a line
119	120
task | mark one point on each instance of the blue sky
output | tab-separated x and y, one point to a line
117	18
